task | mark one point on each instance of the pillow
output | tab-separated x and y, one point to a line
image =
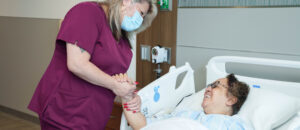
291	124
192	102
267	109
295	123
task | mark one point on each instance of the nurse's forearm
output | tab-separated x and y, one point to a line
135	120
91	73
78	62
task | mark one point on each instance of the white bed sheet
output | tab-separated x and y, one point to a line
175	124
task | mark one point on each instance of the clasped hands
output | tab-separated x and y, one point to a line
127	91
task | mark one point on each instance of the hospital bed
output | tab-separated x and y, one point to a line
271	104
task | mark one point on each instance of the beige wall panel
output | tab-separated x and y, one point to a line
27	45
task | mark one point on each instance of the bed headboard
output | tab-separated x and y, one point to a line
216	69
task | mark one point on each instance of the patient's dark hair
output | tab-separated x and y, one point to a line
239	90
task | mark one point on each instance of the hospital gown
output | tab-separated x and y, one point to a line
210	121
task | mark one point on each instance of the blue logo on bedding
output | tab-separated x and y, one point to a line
256	86
156	94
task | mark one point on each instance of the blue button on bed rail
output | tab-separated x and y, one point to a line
156	94
256	86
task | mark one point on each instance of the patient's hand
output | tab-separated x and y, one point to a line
131	102
134	104
129	96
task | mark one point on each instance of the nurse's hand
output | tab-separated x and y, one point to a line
123	78
123	89
133	105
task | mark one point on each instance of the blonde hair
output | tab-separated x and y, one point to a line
114	17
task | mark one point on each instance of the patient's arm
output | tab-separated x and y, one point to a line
135	120
134	117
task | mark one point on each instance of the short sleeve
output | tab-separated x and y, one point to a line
80	26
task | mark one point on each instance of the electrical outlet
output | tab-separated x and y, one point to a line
145	52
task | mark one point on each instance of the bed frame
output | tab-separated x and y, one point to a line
161	95
216	69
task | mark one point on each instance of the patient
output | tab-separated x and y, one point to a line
222	100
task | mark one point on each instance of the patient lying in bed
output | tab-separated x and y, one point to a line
222	100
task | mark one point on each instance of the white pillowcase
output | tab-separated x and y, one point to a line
267	109
291	124
295	123
192	102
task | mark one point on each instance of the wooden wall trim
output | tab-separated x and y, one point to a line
163	31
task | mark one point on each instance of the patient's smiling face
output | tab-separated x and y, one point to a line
216	99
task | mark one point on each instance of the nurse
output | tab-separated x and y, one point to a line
77	90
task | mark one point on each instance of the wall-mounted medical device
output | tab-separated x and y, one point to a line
161	54
165	5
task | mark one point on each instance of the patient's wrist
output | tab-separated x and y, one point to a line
127	98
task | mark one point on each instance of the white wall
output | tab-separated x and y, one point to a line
258	32
50	9
27	45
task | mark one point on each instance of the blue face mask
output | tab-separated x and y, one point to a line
132	23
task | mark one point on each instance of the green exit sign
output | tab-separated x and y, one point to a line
165	5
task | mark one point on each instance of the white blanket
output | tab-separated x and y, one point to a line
175	124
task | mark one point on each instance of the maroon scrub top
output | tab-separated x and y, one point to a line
66	101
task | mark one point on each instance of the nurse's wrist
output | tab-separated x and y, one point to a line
114	86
